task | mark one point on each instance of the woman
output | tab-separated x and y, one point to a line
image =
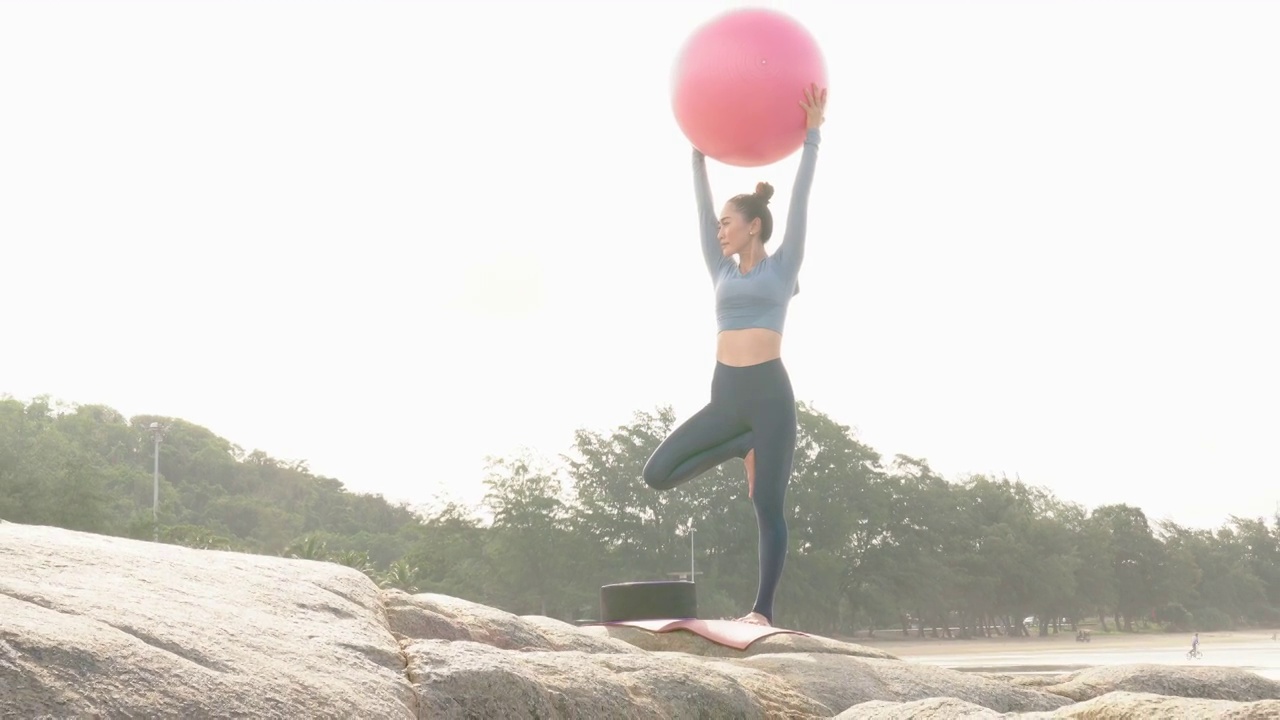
752	413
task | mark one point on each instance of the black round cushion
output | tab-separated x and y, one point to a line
654	600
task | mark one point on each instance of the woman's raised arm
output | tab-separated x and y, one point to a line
791	253
708	221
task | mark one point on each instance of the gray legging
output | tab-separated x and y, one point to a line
751	407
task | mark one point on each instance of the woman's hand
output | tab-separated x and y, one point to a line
814	104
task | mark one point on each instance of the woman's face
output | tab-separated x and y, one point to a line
736	234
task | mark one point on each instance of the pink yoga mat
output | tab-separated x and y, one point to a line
730	633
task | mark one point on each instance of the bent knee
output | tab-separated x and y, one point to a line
654	476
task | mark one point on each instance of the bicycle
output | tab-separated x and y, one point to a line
1194	654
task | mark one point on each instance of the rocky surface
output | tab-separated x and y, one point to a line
1202	681
94	626
101	626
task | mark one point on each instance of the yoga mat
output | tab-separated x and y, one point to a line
730	633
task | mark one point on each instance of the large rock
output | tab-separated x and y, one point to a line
464	679
1112	706
1200	681
1149	706
931	709
429	616
94	626
840	681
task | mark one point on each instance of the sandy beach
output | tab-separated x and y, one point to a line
1064	642
1252	650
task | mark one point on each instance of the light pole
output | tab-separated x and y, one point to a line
157	433
693	561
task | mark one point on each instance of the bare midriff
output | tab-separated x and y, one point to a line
749	346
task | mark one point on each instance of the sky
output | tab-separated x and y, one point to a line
393	238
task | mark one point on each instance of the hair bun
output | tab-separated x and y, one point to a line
764	191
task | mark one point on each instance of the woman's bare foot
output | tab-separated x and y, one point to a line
755	618
750	460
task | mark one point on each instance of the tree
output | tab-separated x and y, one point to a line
871	545
401	575
1135	559
529	536
448	548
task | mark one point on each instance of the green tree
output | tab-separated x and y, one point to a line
402	576
449	550
529	536
1135	560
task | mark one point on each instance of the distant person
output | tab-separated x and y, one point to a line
752	412
1195	642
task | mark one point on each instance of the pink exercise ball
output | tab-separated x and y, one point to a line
738	83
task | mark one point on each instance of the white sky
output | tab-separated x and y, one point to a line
393	237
